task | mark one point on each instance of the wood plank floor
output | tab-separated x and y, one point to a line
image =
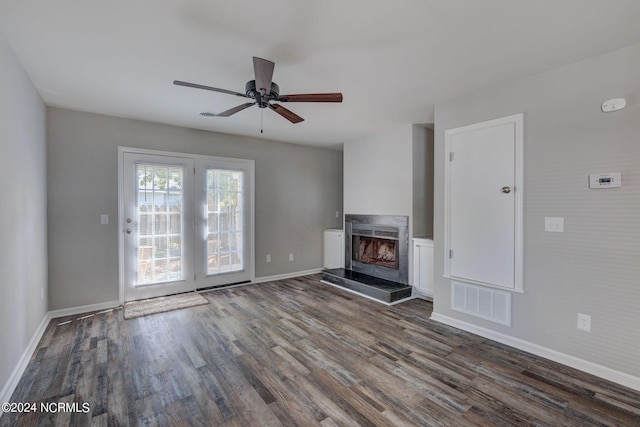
298	352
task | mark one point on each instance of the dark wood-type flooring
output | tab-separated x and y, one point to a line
298	352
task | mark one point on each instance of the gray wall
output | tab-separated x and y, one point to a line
422	181
594	266
23	213
298	191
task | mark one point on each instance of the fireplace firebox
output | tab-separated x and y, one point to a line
375	251
378	245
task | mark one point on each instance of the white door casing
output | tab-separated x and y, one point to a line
483	203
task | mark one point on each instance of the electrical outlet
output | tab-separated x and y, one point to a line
337	214
268	257
290	257
584	322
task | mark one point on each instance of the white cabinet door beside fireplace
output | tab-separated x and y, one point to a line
483	203
423	267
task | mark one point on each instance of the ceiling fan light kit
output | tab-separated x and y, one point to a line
263	92
262	100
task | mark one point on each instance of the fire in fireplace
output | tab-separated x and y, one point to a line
382	252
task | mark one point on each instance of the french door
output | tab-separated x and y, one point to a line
225	217
157	227
186	222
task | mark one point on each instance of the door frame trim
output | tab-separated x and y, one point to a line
518	121
195	157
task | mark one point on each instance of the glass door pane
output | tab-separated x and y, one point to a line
225	219
159	220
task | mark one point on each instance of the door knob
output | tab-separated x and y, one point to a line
128	231
129	220
506	190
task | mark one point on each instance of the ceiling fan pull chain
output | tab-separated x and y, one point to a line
261	120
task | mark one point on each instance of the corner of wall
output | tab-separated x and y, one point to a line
23	220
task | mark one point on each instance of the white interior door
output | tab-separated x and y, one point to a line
484	188
157	225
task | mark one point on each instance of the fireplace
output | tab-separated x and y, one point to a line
378	245
376	251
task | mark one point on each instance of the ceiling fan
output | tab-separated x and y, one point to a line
263	91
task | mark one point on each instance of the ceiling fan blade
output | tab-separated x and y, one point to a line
235	109
215	89
287	114
263	70
312	97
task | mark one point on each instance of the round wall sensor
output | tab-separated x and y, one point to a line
613	105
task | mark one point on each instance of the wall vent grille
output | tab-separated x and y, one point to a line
478	301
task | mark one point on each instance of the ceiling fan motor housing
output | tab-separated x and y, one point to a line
262	101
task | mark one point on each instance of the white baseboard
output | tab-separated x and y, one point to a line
286	276
609	374
421	295
12	383
72	311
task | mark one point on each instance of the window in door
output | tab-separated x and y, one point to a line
225	218
159	214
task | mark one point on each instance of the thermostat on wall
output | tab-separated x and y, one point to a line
605	180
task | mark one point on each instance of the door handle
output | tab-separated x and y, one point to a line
506	190
128	221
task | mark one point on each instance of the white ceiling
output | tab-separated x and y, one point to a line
392	60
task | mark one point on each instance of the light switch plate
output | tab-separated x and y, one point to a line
104	219
554	224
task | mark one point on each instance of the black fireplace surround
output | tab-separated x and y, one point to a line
378	245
